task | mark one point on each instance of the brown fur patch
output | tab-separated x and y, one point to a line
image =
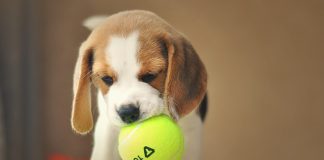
186	78
81	117
101	69
152	60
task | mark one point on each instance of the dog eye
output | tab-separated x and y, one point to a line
108	80
147	78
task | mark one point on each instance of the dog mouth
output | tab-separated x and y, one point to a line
137	111
142	117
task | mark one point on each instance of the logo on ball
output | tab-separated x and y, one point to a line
148	151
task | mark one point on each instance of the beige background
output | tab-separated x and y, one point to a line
264	60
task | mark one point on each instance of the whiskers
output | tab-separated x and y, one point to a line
92	75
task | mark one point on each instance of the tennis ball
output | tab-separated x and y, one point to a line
157	138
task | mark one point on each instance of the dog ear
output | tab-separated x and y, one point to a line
94	21
81	118
186	79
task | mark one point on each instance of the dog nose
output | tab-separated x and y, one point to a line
129	113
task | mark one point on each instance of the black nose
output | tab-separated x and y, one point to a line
128	113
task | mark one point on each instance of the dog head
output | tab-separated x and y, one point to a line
141	66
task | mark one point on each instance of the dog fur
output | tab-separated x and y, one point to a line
135	57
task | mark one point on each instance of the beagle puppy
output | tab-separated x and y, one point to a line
142	67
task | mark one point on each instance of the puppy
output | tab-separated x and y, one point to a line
142	67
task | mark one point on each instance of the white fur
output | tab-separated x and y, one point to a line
105	135
172	111
192	128
121	55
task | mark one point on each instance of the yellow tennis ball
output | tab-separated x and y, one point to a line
157	138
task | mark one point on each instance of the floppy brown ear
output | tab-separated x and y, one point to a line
81	118
186	80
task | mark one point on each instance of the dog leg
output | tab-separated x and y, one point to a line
105	136
105	141
192	129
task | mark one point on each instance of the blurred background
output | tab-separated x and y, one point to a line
265	61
